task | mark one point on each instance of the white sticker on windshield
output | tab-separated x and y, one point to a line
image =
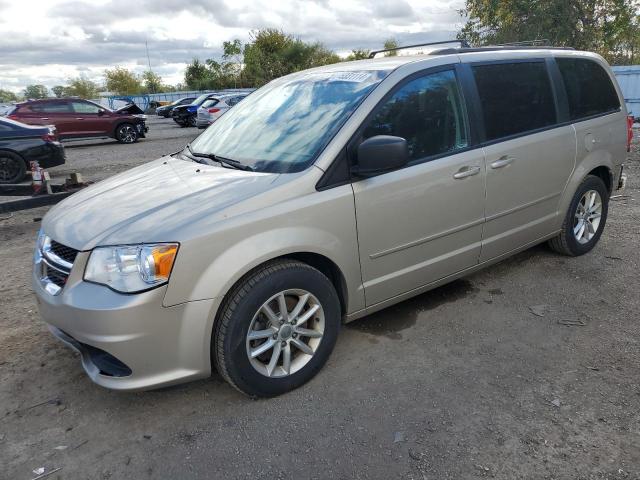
356	77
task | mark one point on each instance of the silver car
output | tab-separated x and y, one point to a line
324	196
214	108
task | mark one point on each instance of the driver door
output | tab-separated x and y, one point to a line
422	222
90	119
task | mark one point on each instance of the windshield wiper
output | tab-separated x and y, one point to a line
222	160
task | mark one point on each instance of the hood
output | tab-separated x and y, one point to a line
151	203
130	108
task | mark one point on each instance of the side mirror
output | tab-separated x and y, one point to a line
100	112
379	154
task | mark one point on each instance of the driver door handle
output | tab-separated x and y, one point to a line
45	118
503	161
79	118
465	172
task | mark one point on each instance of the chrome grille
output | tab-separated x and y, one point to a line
66	253
53	264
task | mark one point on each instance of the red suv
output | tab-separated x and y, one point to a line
77	118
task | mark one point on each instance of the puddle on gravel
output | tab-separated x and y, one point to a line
390	321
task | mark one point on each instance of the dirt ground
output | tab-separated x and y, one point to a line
528	369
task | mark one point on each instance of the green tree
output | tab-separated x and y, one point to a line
358	54
196	75
609	27
59	91
122	81
7	96
36	91
389	44
233	55
273	53
152	82
81	87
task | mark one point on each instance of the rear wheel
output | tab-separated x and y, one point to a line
277	328
585	219
126	133
13	168
191	121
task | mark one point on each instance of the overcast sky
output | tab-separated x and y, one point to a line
48	41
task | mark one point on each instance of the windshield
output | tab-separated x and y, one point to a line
284	126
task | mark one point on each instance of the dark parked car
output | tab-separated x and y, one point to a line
21	144
165	111
185	115
76	118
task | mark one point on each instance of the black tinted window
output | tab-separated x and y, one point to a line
427	112
589	88
515	97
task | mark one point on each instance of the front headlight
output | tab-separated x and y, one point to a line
131	268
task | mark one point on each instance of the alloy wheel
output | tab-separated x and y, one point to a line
587	216
285	333
9	169
127	134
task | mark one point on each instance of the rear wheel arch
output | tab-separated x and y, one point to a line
605	174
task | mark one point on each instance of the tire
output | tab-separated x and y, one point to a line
13	168
191	121
243	310
568	241
126	133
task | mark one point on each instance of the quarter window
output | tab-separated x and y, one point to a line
515	98
588	86
427	112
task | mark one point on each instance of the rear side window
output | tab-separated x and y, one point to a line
209	103
515	98
51	107
588	86
427	112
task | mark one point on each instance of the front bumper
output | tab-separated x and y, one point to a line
142	129
159	345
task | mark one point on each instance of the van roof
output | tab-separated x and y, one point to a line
462	54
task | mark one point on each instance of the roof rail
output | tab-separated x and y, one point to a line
543	42
494	48
463	44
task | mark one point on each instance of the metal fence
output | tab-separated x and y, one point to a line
628	77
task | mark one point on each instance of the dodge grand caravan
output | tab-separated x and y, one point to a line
324	196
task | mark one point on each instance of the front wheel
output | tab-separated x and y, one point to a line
126	133
585	219
276	329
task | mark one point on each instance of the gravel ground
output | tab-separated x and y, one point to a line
528	369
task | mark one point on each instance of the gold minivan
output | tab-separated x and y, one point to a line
322	197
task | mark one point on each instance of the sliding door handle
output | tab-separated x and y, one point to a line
503	162
465	172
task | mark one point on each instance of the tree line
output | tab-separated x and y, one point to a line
608	27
